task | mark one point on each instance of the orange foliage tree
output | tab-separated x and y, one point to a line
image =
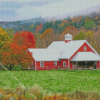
70	29
38	28
25	38
11	54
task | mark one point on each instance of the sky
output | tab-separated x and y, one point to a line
12	10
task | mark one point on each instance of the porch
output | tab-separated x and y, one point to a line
84	65
85	60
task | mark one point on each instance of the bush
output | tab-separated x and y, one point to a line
17	68
20	93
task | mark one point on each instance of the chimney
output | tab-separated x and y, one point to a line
68	37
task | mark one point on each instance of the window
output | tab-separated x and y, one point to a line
55	63
84	48
64	64
41	64
32	64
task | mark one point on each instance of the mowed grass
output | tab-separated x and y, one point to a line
54	81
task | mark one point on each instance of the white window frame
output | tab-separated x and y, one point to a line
85	48
55	63
63	63
32	64
40	64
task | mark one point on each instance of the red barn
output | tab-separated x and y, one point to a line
68	54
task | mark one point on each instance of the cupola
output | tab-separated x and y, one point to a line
68	37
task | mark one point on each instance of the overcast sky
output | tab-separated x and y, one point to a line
11	10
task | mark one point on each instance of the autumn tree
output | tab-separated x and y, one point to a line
10	32
93	40
11	54
3	37
80	36
38	40
70	29
47	37
97	40
38	28
89	36
25	38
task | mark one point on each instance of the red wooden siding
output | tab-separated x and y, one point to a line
71	65
66	41
81	49
48	65
61	63
98	65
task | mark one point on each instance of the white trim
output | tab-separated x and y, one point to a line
84	48
40	63
99	64
32	64
63	63
68	63
35	65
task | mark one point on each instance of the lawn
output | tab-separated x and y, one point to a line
54	81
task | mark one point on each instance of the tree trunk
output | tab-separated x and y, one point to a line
9	67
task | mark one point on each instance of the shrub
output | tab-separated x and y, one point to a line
17	68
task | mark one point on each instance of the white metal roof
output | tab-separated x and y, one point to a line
67	49
59	50
86	56
45	54
68	34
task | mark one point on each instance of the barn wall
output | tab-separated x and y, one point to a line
82	50
71	66
88	48
48	65
61	63
98	65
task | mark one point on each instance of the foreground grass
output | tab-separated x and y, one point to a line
53	81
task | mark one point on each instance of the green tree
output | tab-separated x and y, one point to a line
10	32
89	24
80	36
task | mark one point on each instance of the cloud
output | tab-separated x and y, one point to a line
32	1
12	5
25	9
66	7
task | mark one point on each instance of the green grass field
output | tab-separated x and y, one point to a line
54	81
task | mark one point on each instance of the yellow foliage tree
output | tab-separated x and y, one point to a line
89	33
47	31
47	37
91	40
3	37
62	24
